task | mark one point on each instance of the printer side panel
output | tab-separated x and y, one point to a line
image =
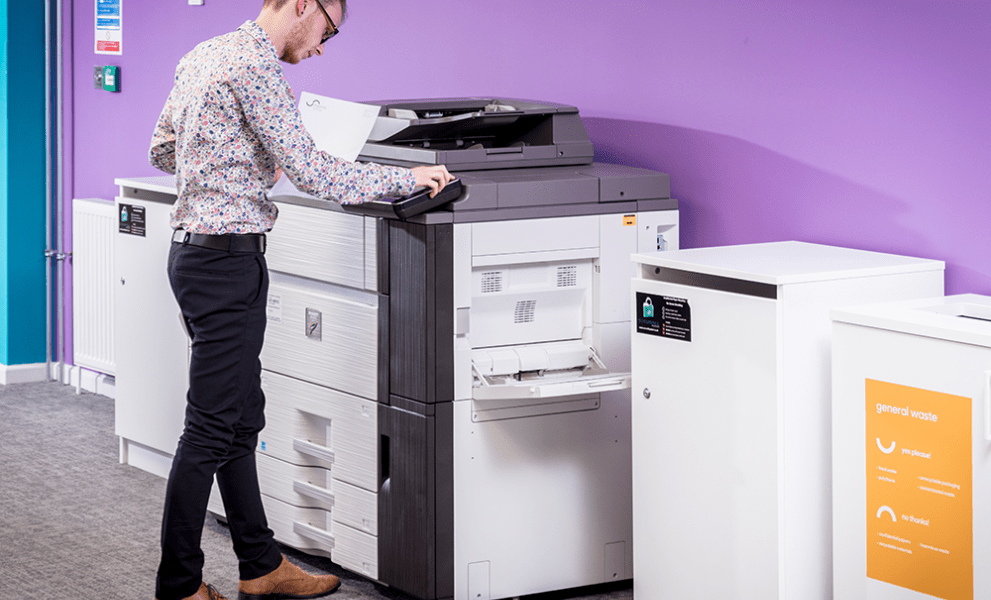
416	497
421	312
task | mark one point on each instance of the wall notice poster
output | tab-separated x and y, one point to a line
109	26
919	490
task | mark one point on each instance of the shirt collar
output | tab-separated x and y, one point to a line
255	30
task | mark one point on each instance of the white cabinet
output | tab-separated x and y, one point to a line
912	450
731	413
151	347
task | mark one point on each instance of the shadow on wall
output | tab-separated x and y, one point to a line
734	192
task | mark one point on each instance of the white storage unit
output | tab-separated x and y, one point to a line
731	434
152	350
912	450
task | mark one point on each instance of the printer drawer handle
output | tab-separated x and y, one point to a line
314	533
315	450
313	491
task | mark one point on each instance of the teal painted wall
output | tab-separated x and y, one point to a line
4	220
22	184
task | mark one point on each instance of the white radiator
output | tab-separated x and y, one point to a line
94	225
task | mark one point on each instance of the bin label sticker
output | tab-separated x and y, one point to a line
664	316
131	219
920	513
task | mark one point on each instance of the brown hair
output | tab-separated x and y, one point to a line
277	4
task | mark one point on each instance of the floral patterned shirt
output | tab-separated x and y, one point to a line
230	123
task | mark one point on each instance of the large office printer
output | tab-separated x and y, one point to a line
448	406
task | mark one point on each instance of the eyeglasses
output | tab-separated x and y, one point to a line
333	28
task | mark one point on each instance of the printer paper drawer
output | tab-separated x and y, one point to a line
325	245
310	425
313	530
314	487
316	334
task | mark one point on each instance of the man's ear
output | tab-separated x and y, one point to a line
300	7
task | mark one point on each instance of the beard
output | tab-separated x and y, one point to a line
293	52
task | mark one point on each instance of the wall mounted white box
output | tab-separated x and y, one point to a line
938	355
731	450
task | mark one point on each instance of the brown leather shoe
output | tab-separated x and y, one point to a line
287	582
206	592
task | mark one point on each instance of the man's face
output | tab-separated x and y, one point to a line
306	33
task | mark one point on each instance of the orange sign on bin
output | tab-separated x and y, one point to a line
920	512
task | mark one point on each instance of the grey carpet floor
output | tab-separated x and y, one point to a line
76	524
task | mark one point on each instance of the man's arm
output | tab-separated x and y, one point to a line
270	110
162	152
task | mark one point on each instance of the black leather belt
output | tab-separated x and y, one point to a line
228	242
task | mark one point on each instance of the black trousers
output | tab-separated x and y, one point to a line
223	298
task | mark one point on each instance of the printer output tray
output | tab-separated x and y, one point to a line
556	389
563	377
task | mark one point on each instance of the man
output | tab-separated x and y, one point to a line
229	126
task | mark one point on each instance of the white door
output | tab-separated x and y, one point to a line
705	445
152	349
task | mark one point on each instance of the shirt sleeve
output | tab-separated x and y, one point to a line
161	155
270	110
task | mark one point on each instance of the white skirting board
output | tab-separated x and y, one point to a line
90	381
145	458
80	378
23	373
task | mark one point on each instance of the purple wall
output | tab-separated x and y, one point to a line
847	123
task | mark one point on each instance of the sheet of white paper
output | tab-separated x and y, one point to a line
338	127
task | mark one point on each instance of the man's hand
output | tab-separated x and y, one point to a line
435	178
